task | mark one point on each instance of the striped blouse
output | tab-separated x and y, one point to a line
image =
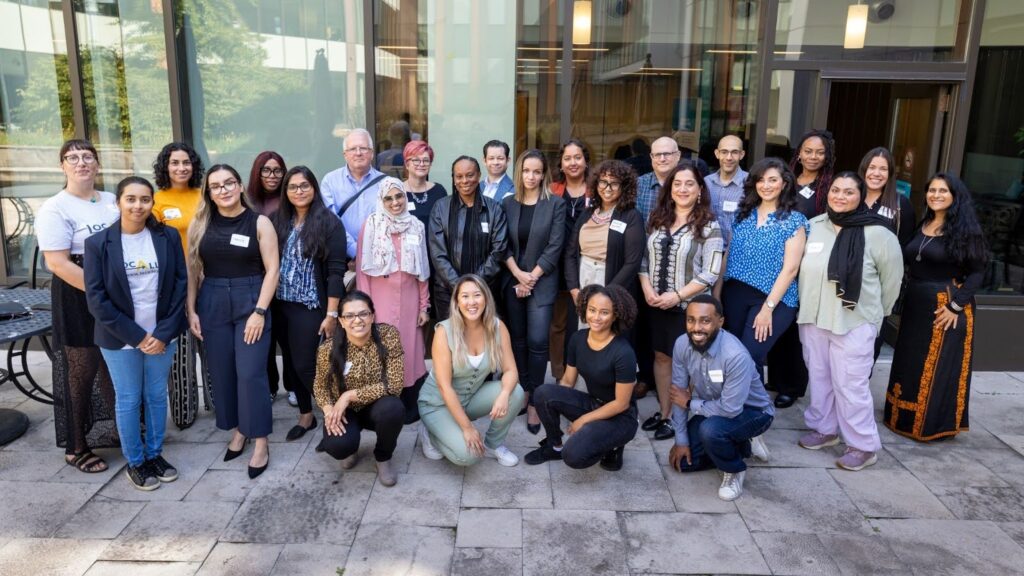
674	259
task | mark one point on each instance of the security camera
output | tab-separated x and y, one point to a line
881	11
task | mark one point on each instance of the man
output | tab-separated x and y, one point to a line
665	156
496	184
726	184
350	192
715	384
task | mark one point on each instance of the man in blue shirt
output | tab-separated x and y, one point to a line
665	156
495	183
719	406
726	183
357	181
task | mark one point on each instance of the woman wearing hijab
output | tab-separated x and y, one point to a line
849	280
392	267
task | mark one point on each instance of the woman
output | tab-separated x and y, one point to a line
571	185
607	244
812	164
233	267
358	381
683	259
421	192
536	222
392	267
760	291
264	193
467	348
930	381
849	280
603	419
467	234
312	283
878	170
62	225
135	283
178	173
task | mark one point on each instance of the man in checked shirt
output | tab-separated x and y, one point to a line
719	406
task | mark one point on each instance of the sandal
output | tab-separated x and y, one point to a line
87	462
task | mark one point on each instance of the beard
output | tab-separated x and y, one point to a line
702	348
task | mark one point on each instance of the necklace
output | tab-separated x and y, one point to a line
419	199
927	241
599	218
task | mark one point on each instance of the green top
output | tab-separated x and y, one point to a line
883	273
466	380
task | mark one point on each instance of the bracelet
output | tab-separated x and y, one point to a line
680	296
955	307
952	308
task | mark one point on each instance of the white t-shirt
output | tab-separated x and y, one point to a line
65	221
143	270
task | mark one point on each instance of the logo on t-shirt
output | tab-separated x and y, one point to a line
139	267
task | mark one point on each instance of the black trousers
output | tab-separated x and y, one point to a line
586	447
384	417
296	328
410	399
529	327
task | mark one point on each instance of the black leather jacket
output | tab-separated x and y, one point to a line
446	273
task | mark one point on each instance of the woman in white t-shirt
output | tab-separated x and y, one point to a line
135	282
62	224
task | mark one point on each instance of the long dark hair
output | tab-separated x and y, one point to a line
339	348
255	191
162	175
151	221
965	240
558	175
751	200
827	168
664	213
319	222
890	197
626	176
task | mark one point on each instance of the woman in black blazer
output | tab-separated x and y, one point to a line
536	230
135	285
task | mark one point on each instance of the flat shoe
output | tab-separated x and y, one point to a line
612	460
533	428
298	431
651	423
665	431
784	401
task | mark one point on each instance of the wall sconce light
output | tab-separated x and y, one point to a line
856	26
581	16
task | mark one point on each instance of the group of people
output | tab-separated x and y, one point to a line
716	288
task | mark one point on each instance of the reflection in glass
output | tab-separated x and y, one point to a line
790	107
538	76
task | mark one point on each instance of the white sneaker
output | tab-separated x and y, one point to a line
759	449
732	486
429	452
503	455
292	400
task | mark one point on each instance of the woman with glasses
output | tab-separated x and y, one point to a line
178	173
421	192
358	383
233	266
312	282
264	192
392	267
62	224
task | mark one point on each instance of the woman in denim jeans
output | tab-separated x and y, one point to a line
135	284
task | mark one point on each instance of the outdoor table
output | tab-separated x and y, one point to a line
17	334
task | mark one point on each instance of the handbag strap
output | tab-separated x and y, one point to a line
358	194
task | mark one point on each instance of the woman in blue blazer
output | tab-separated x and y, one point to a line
135	284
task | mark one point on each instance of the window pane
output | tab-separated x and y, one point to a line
272	75
892	31
790	110
35	118
993	165
539	76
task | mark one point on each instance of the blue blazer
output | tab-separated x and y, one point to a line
110	298
505	187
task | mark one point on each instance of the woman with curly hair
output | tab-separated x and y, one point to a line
178	173
604	418
683	259
930	381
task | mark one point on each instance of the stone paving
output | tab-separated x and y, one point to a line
949	508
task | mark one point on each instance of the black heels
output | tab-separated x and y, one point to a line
230	454
255	471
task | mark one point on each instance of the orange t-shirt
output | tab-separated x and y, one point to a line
176	208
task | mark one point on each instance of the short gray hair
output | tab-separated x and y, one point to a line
363	131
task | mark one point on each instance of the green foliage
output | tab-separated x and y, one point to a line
1019	137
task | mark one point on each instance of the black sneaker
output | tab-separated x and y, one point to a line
651	423
141	478
163	471
612	460
543	454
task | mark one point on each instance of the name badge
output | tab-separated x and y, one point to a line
815	247
240	240
806	192
716	376
729	206
413	239
348	368
172	213
886	212
484	227
412	206
618	225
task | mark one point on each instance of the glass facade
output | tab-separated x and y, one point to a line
540	43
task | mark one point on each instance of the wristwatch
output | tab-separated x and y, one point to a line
333	314
260	311
769	304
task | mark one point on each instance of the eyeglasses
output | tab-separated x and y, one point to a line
271	172
608	184
420	161
85	158
362	316
359	150
305	187
226	188
663	155
394	198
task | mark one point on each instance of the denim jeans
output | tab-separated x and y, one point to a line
529	328
140	380
586	447
722	442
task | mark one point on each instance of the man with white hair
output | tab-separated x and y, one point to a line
350	192
665	156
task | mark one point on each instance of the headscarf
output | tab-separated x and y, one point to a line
378	251
846	262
